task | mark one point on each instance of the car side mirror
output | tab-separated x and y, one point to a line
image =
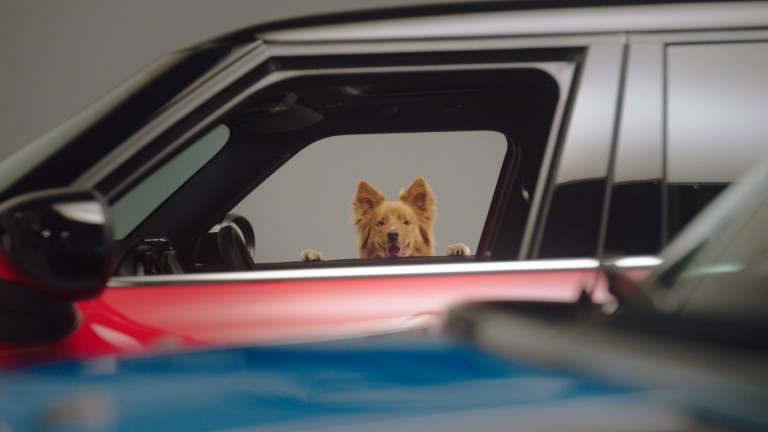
55	248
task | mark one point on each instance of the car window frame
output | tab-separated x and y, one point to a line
554	129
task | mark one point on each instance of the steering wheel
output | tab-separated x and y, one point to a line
237	243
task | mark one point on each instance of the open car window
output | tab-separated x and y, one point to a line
294	152
306	203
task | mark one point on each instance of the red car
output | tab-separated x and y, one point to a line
554	138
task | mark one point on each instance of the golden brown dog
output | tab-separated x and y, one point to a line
387	229
394	228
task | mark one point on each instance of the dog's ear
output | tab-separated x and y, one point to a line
420	197
365	200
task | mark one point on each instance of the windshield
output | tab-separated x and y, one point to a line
134	206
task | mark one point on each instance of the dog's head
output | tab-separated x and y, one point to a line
394	228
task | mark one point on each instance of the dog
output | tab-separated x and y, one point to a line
393	229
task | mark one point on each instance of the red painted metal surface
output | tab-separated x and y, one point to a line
151	319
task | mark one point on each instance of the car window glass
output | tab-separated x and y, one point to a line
134	206
306	203
717	98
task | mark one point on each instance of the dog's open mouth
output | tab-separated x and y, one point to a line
394	250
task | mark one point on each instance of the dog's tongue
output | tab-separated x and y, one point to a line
393	250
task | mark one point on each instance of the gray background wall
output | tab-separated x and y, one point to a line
59	56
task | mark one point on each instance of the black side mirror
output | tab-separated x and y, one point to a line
55	248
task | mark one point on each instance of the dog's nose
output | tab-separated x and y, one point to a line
393	236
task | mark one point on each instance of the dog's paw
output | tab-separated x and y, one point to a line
458	250
312	255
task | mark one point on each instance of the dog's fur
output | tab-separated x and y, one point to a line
394	228
388	229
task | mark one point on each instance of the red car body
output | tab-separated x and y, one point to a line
157	317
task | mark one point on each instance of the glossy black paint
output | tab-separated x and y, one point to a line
635	219
685	201
56	248
58	242
574	220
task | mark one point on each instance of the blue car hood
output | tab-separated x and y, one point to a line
413	382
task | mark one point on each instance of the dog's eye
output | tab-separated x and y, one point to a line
407	222
380	223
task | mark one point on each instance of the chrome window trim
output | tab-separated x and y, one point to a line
447	269
460	268
640	261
